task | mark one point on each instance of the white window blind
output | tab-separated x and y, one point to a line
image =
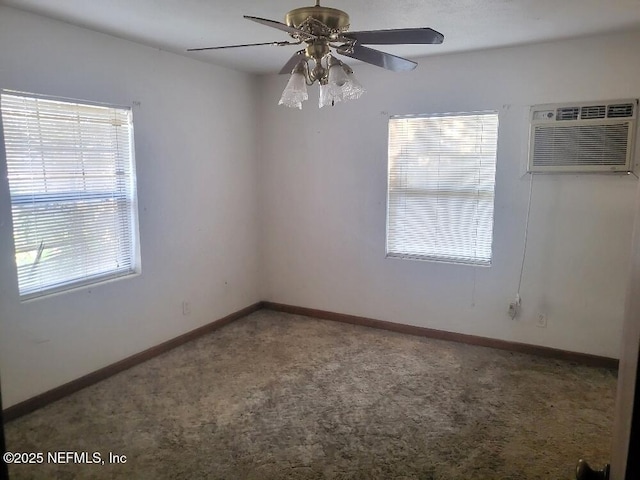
73	196
441	187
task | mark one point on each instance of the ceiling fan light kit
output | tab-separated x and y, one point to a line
324	29
337	83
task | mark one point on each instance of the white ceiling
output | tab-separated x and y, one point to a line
176	25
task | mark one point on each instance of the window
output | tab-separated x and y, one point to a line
73	196
441	187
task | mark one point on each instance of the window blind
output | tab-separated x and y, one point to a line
73	196
441	187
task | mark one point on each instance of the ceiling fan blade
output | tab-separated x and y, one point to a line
280	26
397	36
381	59
277	44
293	61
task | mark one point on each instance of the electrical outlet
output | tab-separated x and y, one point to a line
186	308
541	321
514	307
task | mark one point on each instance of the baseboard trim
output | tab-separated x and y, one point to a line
50	396
581	358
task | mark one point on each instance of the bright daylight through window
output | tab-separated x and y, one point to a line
441	187
73	196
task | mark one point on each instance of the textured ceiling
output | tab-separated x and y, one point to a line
176	25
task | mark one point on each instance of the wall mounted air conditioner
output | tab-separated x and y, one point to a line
583	137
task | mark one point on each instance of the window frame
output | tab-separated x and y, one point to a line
38	197
435	258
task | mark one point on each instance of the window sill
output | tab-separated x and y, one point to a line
97	282
419	258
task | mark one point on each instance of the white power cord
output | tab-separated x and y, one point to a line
514	311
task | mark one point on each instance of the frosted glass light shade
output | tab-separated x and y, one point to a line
295	92
352	89
327	96
337	75
342	86
337	86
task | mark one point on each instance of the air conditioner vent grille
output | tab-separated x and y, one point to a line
568	113
583	137
585	145
593	111
624	110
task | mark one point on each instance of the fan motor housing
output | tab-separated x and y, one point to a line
332	17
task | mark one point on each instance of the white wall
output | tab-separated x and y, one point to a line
324	199
197	182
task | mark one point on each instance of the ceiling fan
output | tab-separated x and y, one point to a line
323	29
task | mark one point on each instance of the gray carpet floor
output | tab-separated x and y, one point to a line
277	396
